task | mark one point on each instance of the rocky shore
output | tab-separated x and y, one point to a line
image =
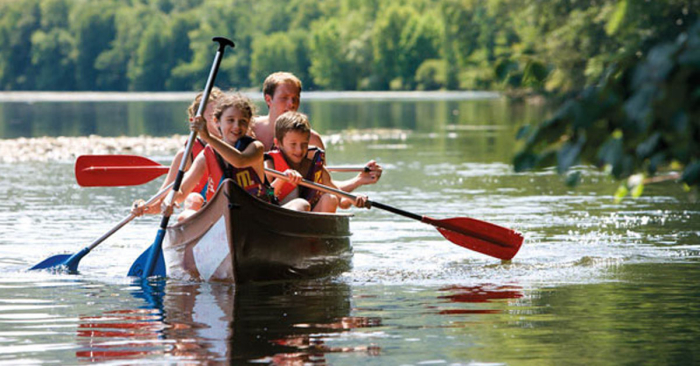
69	148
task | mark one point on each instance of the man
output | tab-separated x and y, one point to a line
282	93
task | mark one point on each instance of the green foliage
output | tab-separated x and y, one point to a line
431	75
642	116
520	46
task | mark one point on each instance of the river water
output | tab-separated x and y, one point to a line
596	282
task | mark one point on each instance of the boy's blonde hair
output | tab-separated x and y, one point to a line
235	100
214	95
279	78
291	121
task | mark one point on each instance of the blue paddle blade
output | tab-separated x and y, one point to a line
69	262
51	262
140	266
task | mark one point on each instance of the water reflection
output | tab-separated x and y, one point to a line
280	323
484	293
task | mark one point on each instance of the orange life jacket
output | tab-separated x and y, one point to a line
218	170
314	174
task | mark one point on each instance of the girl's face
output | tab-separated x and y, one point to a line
209	116
294	146
233	124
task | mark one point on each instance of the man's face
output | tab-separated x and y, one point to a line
285	99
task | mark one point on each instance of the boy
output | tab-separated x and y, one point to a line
282	93
297	161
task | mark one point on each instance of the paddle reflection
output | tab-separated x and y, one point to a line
125	334
282	324
484	293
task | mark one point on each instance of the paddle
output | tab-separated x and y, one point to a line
70	262
480	236
129	170
116	170
146	265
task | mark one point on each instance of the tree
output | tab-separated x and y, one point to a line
94	28
18	21
643	116
54	68
276	52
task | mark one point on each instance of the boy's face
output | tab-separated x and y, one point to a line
285	99
233	124
294	146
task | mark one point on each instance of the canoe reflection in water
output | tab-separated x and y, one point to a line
276	323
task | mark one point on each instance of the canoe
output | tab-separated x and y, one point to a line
239	238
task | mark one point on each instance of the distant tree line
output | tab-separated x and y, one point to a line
520	46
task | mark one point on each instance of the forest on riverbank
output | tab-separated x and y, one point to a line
518	46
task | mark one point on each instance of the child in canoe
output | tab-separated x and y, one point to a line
139	205
298	161
235	155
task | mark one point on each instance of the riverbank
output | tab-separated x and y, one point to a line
42	96
69	148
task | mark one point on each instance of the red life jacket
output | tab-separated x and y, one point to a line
314	174
218	170
197	148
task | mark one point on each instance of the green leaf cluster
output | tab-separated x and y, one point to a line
642	116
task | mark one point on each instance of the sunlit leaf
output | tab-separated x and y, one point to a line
620	193
637	191
617	17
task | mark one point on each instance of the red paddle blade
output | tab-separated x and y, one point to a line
480	236
116	170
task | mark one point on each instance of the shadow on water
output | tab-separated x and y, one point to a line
274	323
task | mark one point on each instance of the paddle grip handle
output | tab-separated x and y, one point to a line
223	42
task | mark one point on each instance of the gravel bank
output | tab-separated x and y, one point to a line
69	148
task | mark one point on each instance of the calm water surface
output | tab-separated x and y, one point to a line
596	282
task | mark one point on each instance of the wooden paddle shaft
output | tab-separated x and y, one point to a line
352	197
127	219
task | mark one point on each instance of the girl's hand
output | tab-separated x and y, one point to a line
168	210
293	176
139	208
199	125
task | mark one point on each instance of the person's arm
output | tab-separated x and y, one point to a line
344	203
174	167
294	177
315	140
361	179
191	178
240	159
139	208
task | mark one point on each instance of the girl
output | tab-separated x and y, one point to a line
139	205
234	155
